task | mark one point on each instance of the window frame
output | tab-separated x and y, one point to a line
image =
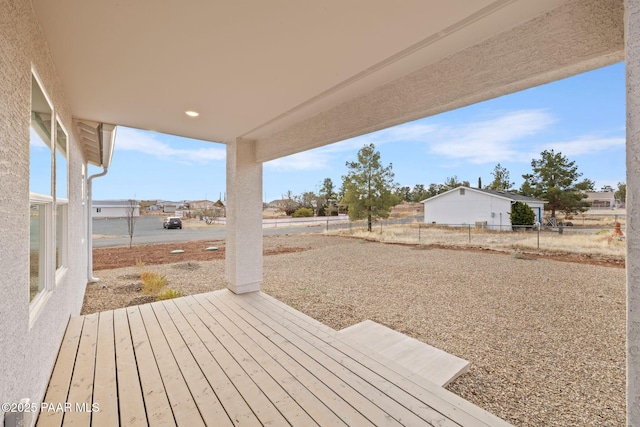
61	245
49	274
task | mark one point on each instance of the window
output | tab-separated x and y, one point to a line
41	190
48	197
462	191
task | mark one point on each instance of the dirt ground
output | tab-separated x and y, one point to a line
122	256
117	257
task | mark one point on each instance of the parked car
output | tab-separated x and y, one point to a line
172	222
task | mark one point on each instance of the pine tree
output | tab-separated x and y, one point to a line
554	179
501	180
369	187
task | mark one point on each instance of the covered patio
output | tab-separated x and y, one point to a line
226	359
267	80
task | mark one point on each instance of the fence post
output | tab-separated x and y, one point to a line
539	227
469	233
380	227
419	228
327	225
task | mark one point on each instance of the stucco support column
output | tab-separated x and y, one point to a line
632	46
243	259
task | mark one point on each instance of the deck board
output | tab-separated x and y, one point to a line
131	401
245	360
446	403
203	395
297	364
394	400
432	363
182	404
81	389
155	397
235	406
60	381
248	390
368	400
105	386
274	380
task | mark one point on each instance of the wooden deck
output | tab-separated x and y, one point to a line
221	359
431	363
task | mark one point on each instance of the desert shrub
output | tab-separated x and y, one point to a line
521	214
302	213
152	282
603	231
169	294
140	266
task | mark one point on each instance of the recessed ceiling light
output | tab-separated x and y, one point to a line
192	113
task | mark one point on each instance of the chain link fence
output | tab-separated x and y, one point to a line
602	239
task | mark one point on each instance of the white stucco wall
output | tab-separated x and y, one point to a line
632	23
27	353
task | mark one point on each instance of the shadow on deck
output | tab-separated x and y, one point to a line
223	359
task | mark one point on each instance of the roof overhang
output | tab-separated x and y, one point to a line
294	75
97	141
505	196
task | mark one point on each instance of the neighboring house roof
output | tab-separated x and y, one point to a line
600	195
502	194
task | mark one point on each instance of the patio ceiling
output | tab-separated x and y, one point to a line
276	71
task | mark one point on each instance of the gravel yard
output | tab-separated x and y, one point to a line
545	338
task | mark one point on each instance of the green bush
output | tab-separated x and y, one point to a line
521	214
302	213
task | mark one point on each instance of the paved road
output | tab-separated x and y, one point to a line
149	230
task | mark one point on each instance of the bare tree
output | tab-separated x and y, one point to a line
132	206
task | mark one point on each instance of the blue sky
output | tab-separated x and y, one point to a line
583	117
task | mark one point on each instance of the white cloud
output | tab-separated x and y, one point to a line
307	160
516	136
585	145
490	141
323	157
146	142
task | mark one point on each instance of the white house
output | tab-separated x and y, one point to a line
474	206
273	82
113	209
601	199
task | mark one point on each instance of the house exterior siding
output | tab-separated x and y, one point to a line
112	210
466	206
29	346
